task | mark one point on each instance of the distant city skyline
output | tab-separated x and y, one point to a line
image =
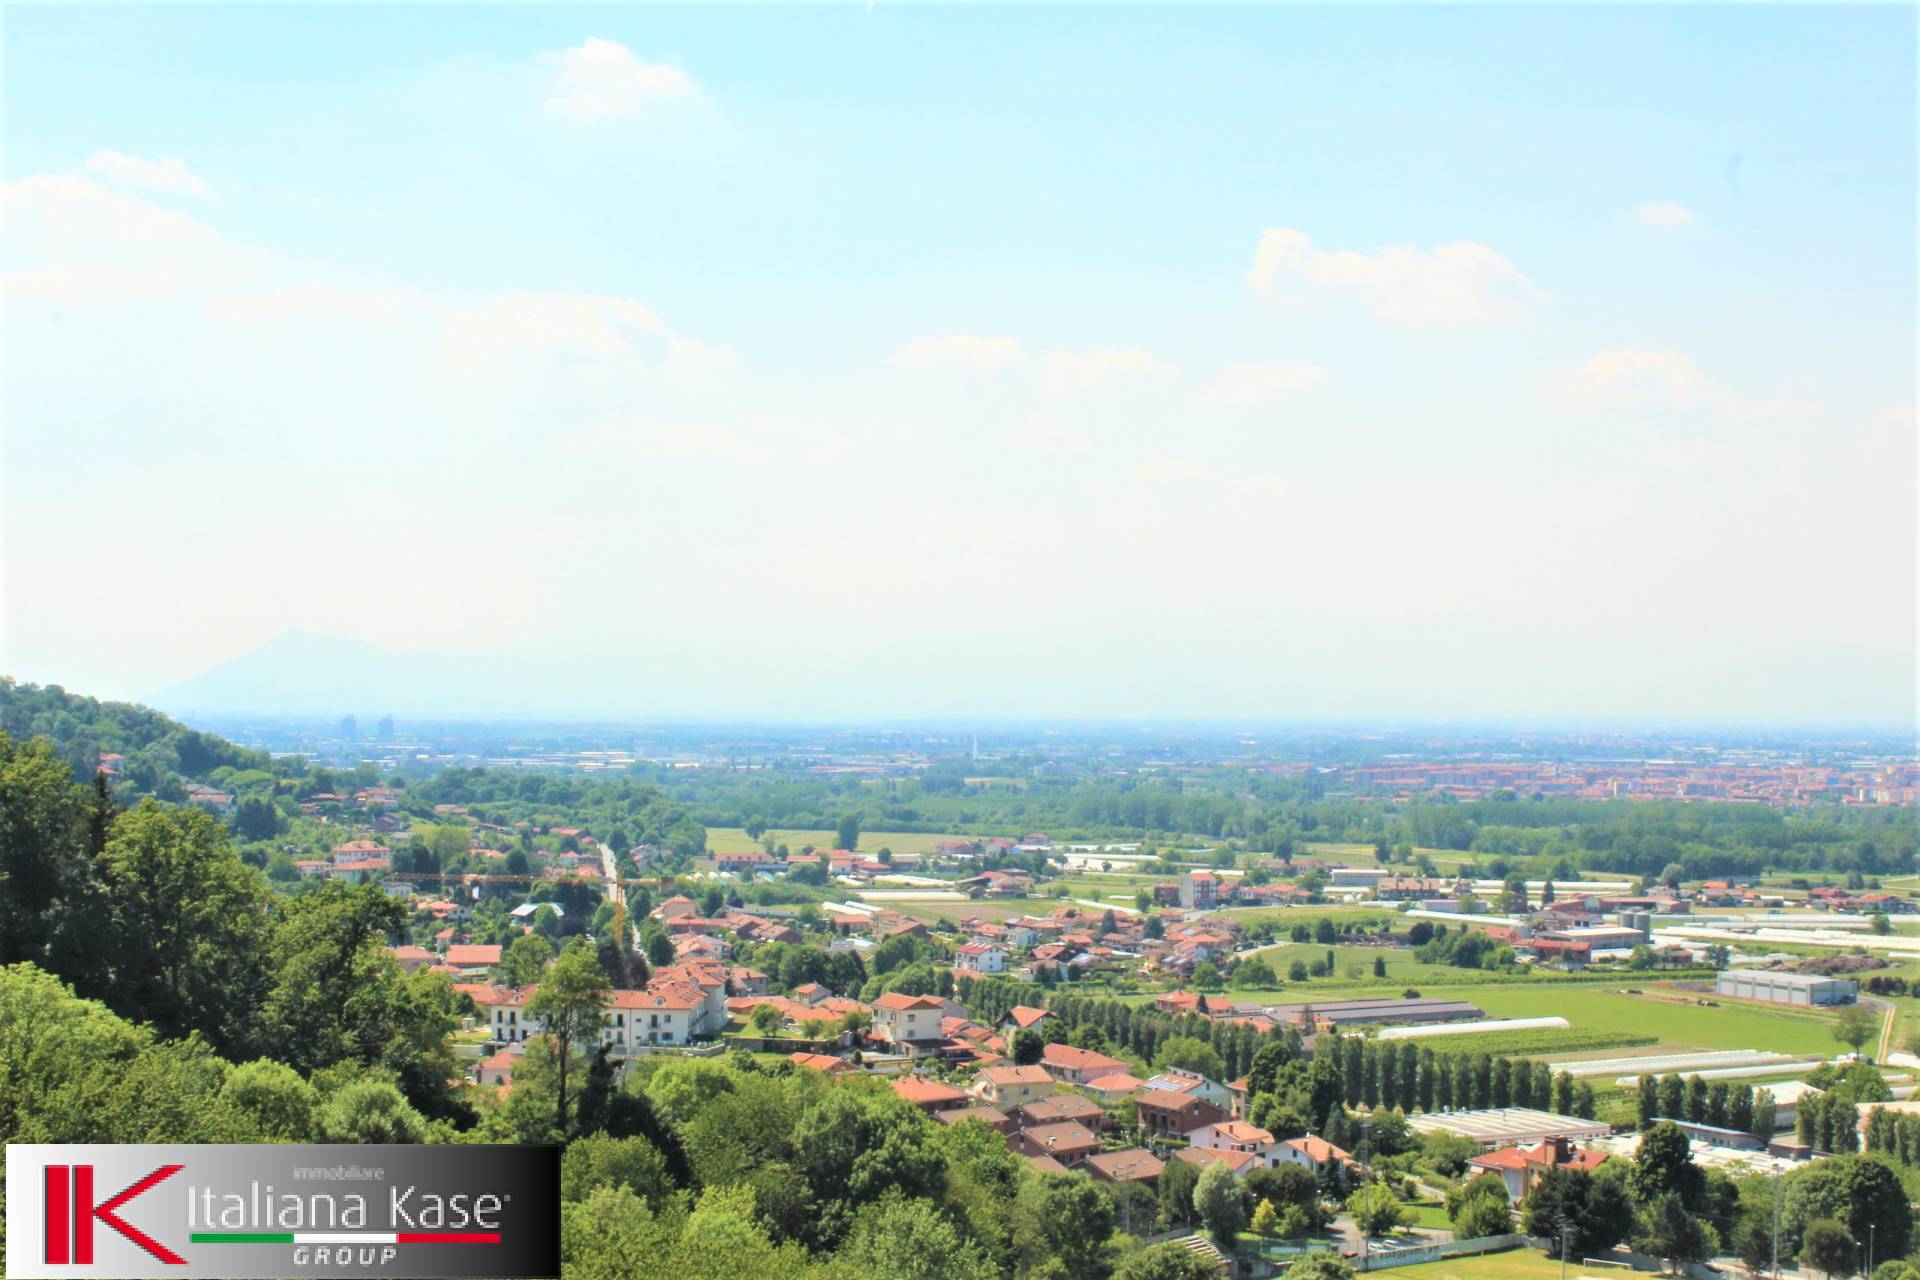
1525	365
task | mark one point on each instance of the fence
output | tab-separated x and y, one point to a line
1446	1249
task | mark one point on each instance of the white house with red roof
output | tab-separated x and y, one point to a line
907	1021
979	957
1314	1153
1238	1135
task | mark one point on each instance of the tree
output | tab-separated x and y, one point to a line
848	836
524	961
274	1096
1266	1219
1827	1246
1594	1207
570	1007
1765	1110
657	944
1220	1202
1191	1054
1376	1210
255	818
1169	1261
368	1111
1319	1266
1664	1165
851	1149
1855	1026
602	1160
186	924
1483	1214
1753	1243
1675	1233
766	1019
901	1239
1070	1219
1177	1182
1028	1046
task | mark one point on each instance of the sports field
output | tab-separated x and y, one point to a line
1514	1264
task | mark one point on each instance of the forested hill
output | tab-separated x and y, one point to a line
155	749
160	757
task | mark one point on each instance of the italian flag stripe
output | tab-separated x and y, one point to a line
345	1237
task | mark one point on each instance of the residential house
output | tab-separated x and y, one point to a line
1133	1165
1314	1153
1008	1087
994	1118
1021	1017
907	1022
474	957
979	957
1166	1114
1237	1135
823	1062
1238	1162
1521	1167
1060	1107
928	1095
1071	1144
1078	1066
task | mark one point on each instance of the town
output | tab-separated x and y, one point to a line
1312	1042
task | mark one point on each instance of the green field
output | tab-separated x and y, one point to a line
1671	1015
1514	1264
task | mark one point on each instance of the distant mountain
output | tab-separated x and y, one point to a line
312	673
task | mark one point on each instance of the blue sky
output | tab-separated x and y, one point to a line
1444	361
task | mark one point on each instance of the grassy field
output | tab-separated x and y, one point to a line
1514	1264
1673	1016
735	840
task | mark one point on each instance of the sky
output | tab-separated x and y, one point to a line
1444	362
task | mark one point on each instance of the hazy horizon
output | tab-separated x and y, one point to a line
1517	365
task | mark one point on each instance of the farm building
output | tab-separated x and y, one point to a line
1786	988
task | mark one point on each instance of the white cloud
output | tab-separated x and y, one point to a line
168	173
968	351
1104	368
316	301
1636	378
94	284
70	240
1666	214
1403	284
586	323
603	79
1249	386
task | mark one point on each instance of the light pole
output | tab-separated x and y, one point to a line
1776	1225
1565	1223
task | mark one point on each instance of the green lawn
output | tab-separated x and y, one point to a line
1514	1264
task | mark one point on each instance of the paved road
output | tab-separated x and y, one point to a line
607	865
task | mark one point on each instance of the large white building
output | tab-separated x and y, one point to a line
1786	988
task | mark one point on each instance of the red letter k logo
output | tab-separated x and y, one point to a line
71	1217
